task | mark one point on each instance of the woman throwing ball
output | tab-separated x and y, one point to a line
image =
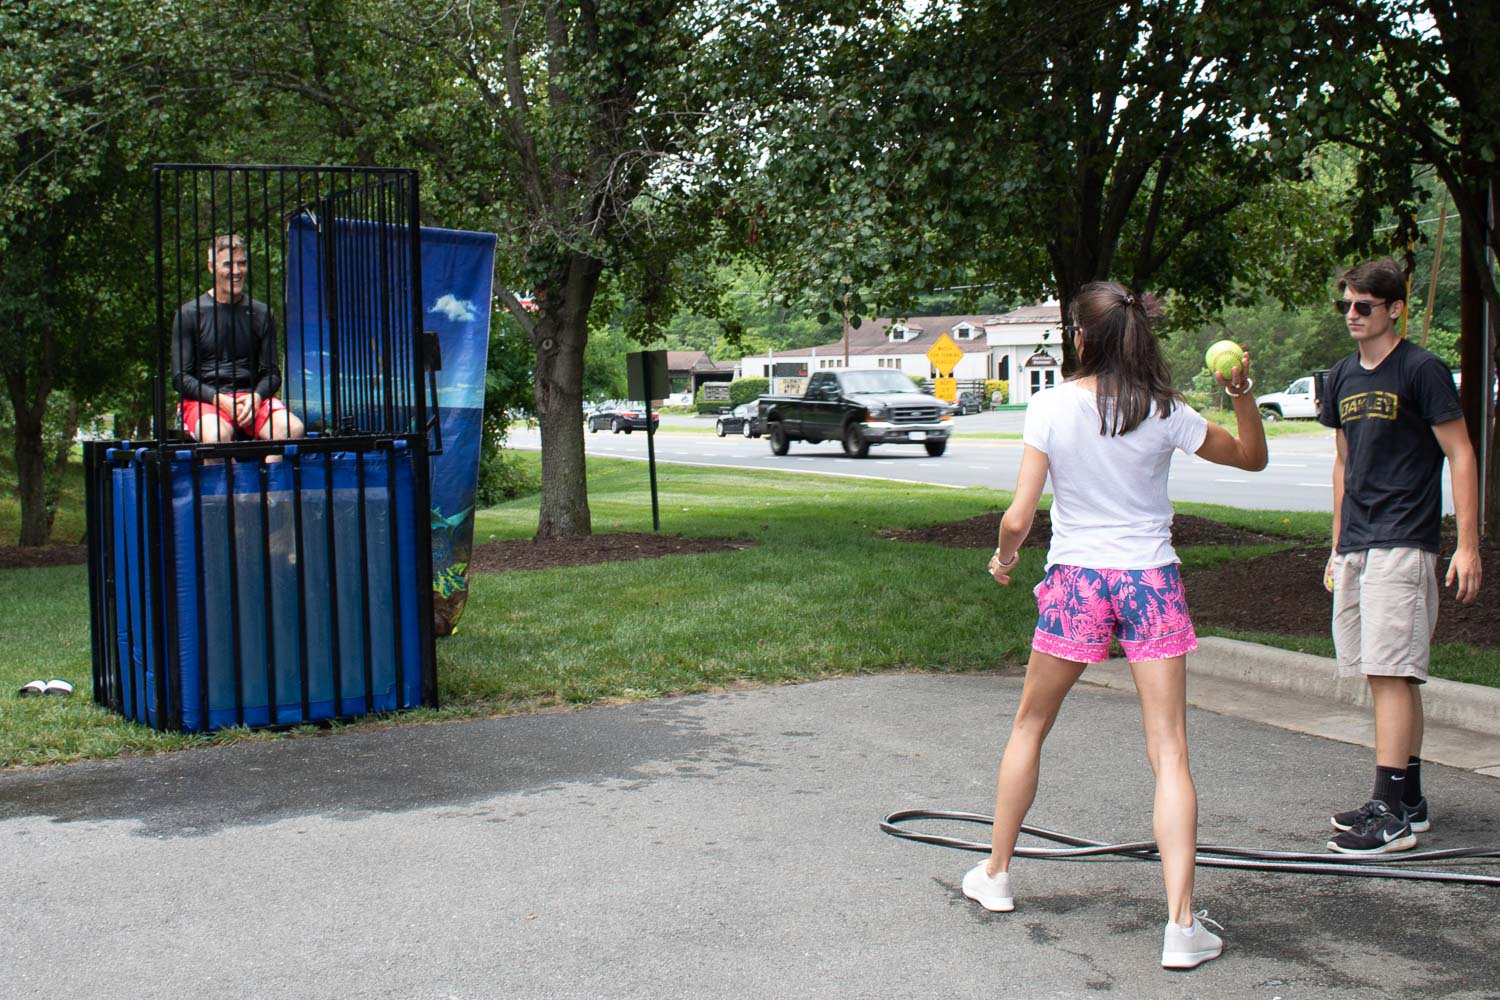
1106	437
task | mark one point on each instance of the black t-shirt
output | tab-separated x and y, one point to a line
224	347
1393	466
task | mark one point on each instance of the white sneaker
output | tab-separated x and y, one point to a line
992	893
1189	947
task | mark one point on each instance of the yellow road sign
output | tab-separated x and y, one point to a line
946	389
945	354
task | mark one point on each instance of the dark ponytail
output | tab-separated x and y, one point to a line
1121	353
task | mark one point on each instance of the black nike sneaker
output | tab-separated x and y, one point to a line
1380	831
1416	814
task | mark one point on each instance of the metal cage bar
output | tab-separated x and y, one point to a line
317	270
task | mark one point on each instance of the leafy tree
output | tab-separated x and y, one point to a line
1284	343
1038	147
583	132
1410	85
79	97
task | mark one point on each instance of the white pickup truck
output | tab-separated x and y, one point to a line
1298	401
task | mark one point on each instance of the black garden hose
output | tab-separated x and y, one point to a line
1209	855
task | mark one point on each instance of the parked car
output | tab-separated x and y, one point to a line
626	417
858	409
743	419
969	402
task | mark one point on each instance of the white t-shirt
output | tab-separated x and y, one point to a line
1109	494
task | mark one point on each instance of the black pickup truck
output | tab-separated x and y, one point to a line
858	409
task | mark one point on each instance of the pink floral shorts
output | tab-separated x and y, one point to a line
1080	610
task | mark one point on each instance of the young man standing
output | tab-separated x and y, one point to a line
1396	416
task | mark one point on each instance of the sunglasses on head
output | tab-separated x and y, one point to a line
1362	306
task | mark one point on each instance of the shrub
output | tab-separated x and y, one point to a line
502	477
743	390
994	385
1200	401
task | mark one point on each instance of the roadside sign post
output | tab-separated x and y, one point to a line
945	356
645	377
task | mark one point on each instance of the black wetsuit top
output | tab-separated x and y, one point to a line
221	347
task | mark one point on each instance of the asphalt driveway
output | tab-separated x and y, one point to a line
722	845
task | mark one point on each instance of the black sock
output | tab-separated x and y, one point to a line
1390	784
1412	793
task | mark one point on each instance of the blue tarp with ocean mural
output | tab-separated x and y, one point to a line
457	270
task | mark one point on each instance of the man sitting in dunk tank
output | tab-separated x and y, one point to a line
224	357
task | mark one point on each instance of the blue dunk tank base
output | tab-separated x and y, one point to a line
268	589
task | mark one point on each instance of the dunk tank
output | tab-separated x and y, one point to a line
275	574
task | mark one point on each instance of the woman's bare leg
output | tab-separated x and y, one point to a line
1048	680
1162	685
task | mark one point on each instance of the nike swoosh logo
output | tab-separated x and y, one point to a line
1388	836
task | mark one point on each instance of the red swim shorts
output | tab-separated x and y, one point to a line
192	411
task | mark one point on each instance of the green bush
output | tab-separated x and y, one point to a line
1200	401
994	385
502	477
743	390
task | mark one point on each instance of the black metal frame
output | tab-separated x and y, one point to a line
367	304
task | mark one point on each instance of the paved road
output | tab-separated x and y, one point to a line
1298	476
716	846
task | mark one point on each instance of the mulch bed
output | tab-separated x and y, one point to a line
1280	593
1283	593
982	531
525	553
12	557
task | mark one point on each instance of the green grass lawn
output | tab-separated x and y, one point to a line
1274	428
818	594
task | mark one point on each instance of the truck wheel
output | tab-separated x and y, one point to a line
780	443
719	428
936	448
1270	413
855	445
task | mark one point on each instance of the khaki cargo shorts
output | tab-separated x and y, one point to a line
1385	606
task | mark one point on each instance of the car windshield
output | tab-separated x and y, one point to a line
876	381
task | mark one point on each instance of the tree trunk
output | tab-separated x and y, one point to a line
560	336
63	446
1070	277
133	423
31	476
1475	336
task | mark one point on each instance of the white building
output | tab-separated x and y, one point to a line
1028	344
1023	347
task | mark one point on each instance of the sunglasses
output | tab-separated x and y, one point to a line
1362	306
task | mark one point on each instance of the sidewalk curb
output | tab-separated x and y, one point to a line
1302	693
1468	706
